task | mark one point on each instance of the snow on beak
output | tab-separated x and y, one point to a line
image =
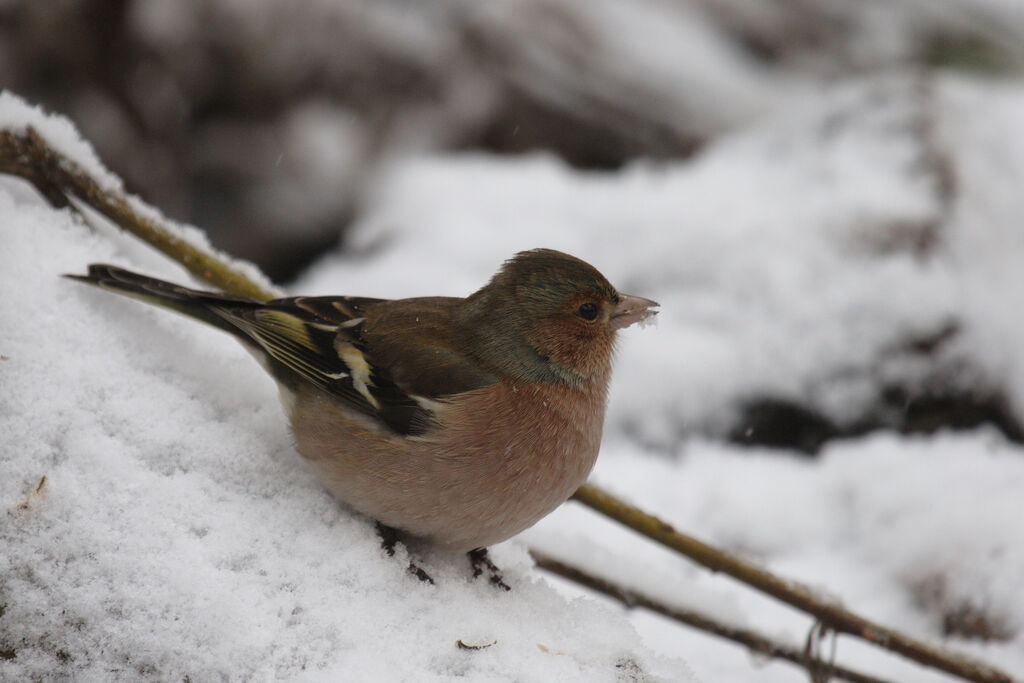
632	309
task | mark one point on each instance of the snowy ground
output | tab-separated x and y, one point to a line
180	535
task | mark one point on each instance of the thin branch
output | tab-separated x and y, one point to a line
758	644
58	178
29	156
831	614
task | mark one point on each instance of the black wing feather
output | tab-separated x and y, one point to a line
321	340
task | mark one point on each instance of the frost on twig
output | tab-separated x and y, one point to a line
831	615
760	645
60	180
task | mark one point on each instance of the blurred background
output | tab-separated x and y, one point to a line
267	124
263	122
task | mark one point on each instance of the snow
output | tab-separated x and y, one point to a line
770	252
877	522
18	116
178	533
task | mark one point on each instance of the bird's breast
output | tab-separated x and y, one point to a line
500	458
520	451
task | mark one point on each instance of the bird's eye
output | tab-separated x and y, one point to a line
587	311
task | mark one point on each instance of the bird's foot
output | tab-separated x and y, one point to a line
480	561
388	540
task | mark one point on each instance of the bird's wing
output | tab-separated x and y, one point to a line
395	361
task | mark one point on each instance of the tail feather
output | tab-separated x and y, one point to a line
194	303
300	341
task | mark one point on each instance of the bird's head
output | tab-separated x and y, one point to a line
549	316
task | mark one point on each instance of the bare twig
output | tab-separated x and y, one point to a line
759	644
831	614
35	494
58	178
462	645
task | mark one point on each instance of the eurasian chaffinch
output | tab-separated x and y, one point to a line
461	421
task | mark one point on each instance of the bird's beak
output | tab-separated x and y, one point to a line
632	309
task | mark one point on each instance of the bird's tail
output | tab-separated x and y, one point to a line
208	307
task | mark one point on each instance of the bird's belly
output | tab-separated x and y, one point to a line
502	458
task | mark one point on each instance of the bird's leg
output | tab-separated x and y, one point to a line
388	540
480	561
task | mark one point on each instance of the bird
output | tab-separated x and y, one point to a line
458	421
